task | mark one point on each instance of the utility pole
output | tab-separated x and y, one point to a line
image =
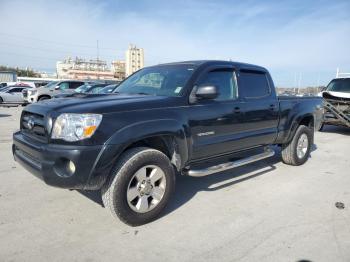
98	51
299	81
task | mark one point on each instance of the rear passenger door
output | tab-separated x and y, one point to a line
260	107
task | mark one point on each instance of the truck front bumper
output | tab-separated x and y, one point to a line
59	165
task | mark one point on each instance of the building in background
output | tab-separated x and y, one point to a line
118	68
79	68
134	59
8	76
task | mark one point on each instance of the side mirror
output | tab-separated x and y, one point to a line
57	87
207	92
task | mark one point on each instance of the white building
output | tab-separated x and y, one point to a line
118	68
83	69
134	59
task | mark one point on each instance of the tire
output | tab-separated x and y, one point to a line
124	174
1	101
43	98
290	151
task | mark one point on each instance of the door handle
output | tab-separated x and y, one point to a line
272	107
237	110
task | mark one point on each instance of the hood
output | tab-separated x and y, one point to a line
336	94
102	103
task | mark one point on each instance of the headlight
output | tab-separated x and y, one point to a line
33	92
74	127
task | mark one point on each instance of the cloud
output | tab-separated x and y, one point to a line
288	37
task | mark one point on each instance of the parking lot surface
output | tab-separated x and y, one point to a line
266	211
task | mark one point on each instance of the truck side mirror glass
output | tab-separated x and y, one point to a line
207	92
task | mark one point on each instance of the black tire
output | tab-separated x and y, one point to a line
44	98
1	101
114	192
289	151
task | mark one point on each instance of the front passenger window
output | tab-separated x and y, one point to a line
224	81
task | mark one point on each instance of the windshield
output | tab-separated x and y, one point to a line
167	80
339	85
51	84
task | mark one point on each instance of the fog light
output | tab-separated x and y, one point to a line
71	167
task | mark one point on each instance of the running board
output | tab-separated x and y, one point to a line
268	152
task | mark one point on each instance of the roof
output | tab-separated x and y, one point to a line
198	63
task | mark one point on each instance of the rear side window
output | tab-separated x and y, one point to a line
253	84
74	85
16	90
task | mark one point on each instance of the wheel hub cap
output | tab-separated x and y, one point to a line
146	188
302	145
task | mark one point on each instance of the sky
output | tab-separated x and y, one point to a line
302	43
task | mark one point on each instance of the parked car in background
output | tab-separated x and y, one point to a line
12	95
108	89
50	90
90	88
87	88
337	103
6	84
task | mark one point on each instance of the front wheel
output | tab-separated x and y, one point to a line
297	151
140	186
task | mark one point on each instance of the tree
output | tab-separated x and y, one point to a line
20	72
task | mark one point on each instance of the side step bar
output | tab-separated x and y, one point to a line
268	152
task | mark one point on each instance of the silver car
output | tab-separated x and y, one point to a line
12	95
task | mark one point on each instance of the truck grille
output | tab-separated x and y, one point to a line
33	125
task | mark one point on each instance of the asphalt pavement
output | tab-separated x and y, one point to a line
267	211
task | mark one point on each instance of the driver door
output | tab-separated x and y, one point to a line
215	124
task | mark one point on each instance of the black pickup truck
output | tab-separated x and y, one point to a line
192	118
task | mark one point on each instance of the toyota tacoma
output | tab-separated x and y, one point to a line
187	118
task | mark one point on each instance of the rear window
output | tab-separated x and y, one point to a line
253	84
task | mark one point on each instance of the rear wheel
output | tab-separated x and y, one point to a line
297	151
140	186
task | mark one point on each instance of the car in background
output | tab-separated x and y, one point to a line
90	88
108	89
336	103
12	95
87	88
50	90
